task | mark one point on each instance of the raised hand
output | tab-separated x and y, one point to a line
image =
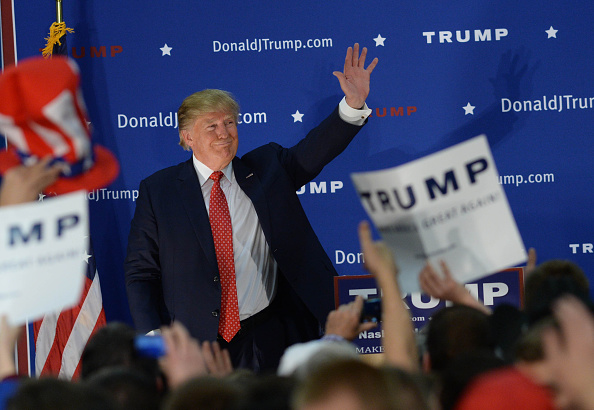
445	287
24	183
355	78
345	321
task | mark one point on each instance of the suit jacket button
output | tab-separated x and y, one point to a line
215	313
216	279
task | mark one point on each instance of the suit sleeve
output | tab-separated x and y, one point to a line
142	267
321	145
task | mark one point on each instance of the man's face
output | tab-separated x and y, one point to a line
213	139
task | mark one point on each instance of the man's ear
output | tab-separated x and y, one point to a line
185	134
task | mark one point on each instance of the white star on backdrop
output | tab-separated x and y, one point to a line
86	257
297	117
379	40
551	32
166	50
41	196
469	109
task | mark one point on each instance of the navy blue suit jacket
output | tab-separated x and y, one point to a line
171	269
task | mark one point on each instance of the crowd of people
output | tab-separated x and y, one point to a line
469	359
467	356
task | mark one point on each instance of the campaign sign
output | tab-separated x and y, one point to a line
42	248
502	287
446	206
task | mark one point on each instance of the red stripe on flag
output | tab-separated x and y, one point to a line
23	354
8	35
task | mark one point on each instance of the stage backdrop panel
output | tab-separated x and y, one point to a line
519	72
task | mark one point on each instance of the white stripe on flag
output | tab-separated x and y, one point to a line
45	340
82	329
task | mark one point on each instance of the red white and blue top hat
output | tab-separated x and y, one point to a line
42	112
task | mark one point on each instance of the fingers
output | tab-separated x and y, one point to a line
183	359
217	360
364	235
551	343
445	269
348	60
355	306
355	60
429	277
574	318
424	278
361	62
365	241
358	304
208	355
226	360
43	163
365	326
372	65
576	330
531	263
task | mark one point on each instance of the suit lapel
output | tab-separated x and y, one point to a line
193	203
250	184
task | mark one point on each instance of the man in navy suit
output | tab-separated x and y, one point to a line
284	278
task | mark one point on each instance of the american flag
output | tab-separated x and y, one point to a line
54	344
61	337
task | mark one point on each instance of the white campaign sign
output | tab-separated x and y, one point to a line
42	248
446	206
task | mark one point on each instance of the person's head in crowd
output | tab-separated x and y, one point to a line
530	358
206	392
56	394
113	346
529	348
454	330
550	280
355	385
503	389
130	388
517	332
302	359
414	390
508	324
460	373
267	392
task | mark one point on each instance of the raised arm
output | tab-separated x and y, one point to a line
399	340
354	80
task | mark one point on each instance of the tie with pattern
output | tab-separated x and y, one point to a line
220	223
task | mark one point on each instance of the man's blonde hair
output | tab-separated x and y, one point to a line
202	102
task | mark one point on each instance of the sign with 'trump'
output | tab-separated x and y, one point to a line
446	206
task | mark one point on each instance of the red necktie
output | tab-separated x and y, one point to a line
220	223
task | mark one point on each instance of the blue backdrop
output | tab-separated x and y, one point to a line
520	72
